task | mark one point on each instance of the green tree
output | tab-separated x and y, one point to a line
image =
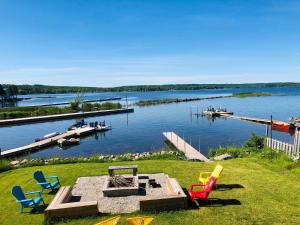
76	102
2	93
10	91
15	91
255	142
87	107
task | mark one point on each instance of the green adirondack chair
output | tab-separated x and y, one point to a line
41	180
27	202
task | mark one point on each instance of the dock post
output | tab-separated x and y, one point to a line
267	134
199	144
183	143
271	137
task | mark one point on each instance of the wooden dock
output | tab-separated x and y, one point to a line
255	120
190	152
37	119
47	142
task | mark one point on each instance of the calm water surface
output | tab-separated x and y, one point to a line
142	130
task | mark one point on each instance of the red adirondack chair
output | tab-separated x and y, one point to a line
202	194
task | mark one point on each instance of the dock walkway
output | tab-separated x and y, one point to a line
180	144
47	142
255	120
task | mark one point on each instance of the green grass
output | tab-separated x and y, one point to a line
29	111
254	94
269	193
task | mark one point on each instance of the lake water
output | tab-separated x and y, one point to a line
142	130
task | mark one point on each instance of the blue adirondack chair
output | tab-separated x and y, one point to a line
27	202
41	180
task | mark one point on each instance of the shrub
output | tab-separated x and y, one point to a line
111	105
74	105
255	143
4	165
87	107
235	152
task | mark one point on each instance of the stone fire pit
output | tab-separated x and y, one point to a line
115	186
128	193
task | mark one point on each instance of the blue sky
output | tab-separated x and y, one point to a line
113	43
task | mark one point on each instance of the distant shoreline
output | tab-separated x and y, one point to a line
47	89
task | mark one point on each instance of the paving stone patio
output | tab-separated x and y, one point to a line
90	189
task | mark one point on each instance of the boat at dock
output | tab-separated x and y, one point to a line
47	136
79	124
216	112
283	126
68	142
101	126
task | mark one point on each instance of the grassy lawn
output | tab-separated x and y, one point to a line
253	192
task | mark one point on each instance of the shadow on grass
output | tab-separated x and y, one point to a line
217	202
212	202
40	210
226	187
52	192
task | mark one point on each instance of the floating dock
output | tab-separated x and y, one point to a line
190	152
63	116
47	142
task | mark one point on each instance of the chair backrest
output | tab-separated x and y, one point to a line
140	220
18	193
111	221
217	171
39	177
208	187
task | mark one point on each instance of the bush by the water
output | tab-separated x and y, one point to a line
254	145
4	165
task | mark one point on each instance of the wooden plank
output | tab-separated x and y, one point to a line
180	144
253	119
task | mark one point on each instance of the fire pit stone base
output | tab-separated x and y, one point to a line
109	191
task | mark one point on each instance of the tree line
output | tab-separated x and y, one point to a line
46	89
9	92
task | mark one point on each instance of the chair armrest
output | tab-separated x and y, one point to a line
205	174
43	183
25	200
54	177
196	185
34	192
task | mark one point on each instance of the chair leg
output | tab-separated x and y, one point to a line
37	207
21	209
193	199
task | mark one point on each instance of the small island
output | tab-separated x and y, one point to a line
254	94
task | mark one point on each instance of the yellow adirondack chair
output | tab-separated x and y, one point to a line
140	220
204	176
111	221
